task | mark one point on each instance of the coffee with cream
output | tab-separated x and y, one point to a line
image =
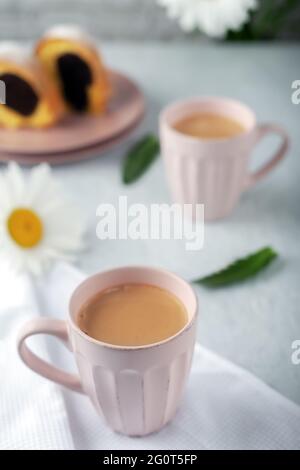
209	126
132	315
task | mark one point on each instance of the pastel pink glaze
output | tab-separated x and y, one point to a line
213	172
136	389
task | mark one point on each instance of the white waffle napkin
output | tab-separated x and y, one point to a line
224	407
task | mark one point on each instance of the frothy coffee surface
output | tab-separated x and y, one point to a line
209	126
132	315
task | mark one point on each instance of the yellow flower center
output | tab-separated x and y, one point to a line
25	227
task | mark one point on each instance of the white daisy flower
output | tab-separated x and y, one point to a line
213	17
37	224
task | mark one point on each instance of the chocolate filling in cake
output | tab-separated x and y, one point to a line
75	75
20	96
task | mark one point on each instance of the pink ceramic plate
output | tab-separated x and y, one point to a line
70	156
77	132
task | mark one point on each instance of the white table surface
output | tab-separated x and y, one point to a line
255	323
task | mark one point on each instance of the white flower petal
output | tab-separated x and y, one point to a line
11	186
213	17
15	180
39	183
5	196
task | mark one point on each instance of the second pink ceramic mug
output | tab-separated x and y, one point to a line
213	172
136	389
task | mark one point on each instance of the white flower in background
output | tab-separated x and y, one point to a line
213	17
37	224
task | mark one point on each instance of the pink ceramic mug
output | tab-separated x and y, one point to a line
213	172
136	389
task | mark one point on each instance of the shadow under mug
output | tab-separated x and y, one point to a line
213	172
136	389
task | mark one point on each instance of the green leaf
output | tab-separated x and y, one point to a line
246	33
271	19
140	157
267	21
240	270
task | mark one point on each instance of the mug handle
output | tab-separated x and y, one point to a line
261	131
57	328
